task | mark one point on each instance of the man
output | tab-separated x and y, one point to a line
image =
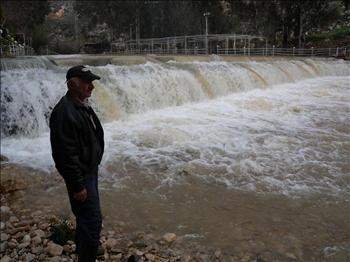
77	147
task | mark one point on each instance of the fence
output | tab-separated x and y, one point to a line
17	50
271	51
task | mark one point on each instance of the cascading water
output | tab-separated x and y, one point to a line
248	125
240	156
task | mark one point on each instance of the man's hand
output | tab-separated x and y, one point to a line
80	196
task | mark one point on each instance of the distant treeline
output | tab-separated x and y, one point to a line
284	22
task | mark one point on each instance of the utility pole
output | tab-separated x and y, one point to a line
206	14
130	37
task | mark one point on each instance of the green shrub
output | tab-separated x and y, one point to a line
62	231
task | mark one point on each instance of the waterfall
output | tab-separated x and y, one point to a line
30	87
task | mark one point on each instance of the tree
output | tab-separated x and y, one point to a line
22	16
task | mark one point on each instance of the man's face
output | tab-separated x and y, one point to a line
85	89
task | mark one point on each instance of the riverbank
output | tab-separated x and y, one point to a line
277	229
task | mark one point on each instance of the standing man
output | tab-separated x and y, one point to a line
77	144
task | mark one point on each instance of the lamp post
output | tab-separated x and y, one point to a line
206	14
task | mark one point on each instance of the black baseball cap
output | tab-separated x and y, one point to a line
82	72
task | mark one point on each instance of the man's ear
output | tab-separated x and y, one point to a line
73	83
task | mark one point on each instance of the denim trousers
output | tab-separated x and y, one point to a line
88	220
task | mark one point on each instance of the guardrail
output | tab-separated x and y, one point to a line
271	51
17	50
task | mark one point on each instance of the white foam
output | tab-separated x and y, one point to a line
291	138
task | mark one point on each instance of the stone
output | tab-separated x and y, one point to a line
26	238
218	254
3	247
5	259
44	226
111	242
55	259
291	256
139	253
67	249
5	209
169	237
4	237
2	225
36	240
37	250
29	257
54	249
12	243
23	245
39	233
150	256
37	213
13	219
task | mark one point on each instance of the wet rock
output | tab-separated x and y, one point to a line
54	249
169	237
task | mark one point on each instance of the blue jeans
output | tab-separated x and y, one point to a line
89	221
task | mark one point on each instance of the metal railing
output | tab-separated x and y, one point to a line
17	50
271	51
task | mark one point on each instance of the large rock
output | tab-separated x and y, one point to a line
54	249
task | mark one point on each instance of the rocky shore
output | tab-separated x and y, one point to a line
293	233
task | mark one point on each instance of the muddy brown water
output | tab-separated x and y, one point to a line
206	214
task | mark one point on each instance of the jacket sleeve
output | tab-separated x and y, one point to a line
65	151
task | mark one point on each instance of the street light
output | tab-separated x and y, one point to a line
206	14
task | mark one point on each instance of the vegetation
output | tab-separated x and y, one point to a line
61	231
286	23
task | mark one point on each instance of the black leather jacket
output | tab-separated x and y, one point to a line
77	142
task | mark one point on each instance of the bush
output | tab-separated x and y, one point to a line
62	231
332	35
